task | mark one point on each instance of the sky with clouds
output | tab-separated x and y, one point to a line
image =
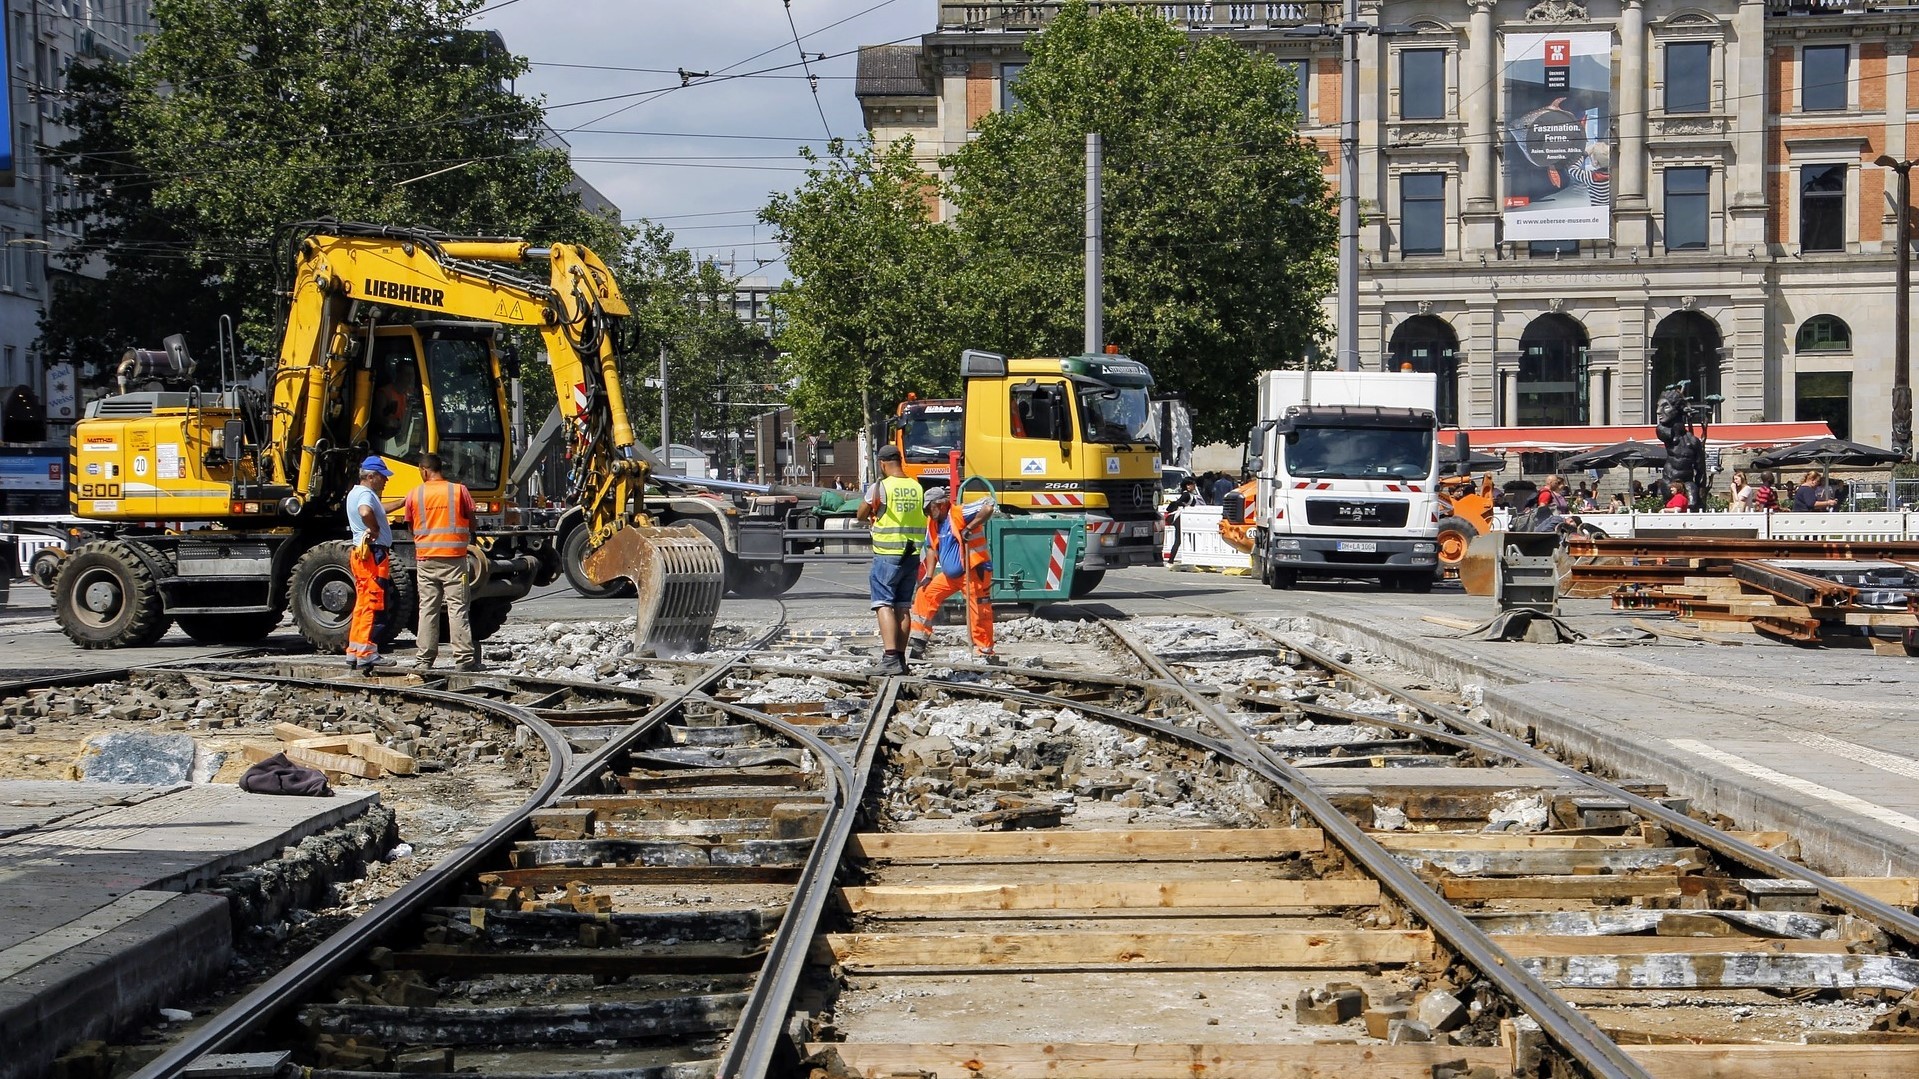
702	158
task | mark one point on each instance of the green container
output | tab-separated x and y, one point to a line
1034	555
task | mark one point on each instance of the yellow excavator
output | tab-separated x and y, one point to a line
222	511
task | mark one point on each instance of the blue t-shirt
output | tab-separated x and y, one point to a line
951	553
363	495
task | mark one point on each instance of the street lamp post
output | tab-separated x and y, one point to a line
1346	309
1901	312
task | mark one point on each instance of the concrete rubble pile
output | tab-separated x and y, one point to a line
966	756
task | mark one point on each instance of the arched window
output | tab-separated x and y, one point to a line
1552	373
1685	347
1429	345
1824	333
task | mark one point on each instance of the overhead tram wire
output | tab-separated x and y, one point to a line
812	80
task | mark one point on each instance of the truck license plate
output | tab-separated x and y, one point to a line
1357	546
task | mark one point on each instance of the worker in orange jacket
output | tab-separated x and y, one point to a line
956	559
440	514
372	565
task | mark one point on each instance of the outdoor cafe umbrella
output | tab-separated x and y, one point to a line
1628	454
1830	453
1450	465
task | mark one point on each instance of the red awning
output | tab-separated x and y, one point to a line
1719	436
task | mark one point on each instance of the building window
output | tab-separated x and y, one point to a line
1422	213
1422	84
1822	208
1689	76
1686	208
1302	73
1823	333
1552	249
1824	71
1826	395
1008	75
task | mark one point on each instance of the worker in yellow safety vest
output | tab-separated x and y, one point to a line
440	514
893	507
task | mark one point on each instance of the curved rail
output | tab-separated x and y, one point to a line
309	972
1578	1035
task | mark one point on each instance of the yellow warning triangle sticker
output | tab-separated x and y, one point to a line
502	310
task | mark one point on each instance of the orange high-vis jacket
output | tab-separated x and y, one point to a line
973	549
440	513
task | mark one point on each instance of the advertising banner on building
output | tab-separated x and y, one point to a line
1558	157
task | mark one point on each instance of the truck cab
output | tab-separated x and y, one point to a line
1346	466
1074	435
927	434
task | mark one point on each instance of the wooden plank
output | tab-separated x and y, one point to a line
1449	623
1525	945
368	747
1505	841
638	876
1121	895
1574	887
293	732
1119	845
1527	863
1898	891
1277	950
1061	1060
559	1024
1776	1061
1670	970
1886	618
334	762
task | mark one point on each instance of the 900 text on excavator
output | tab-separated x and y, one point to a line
222	511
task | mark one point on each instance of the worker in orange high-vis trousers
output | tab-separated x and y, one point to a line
372	563
956	560
440	514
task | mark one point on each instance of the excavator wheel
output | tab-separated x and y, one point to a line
106	597
680	576
1455	535
320	596
572	558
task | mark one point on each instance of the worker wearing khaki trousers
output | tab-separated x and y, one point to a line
440	513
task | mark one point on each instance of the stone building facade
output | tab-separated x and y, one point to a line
1751	243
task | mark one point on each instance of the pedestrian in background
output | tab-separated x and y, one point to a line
1813	495
1222	486
896	510
440	513
371	561
1188	496
956	560
1765	497
1743	493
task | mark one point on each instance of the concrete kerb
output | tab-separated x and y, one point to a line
1560	715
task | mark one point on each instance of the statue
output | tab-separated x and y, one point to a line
1682	428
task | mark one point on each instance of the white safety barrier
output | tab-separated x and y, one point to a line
1200	543
1783	526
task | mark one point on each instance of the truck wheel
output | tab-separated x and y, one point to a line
1455	535
764	580
1421	582
46	566
1084	581
1280	578
572	563
250	628
105	597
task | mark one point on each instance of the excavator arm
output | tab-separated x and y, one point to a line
342	274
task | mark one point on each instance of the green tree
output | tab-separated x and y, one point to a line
243	116
868	313
1218	229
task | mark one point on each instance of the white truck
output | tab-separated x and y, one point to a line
1347	466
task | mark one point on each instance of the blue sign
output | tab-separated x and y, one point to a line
33	471
6	109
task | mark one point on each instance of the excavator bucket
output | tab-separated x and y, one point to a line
680	576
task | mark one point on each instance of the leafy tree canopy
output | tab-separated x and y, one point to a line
1218	230
868	313
242	116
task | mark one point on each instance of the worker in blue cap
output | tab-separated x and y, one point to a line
372	564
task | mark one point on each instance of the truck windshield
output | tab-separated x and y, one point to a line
1359	453
466	405
931	436
1115	414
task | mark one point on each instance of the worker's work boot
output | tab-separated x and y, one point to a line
891	664
916	647
990	658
